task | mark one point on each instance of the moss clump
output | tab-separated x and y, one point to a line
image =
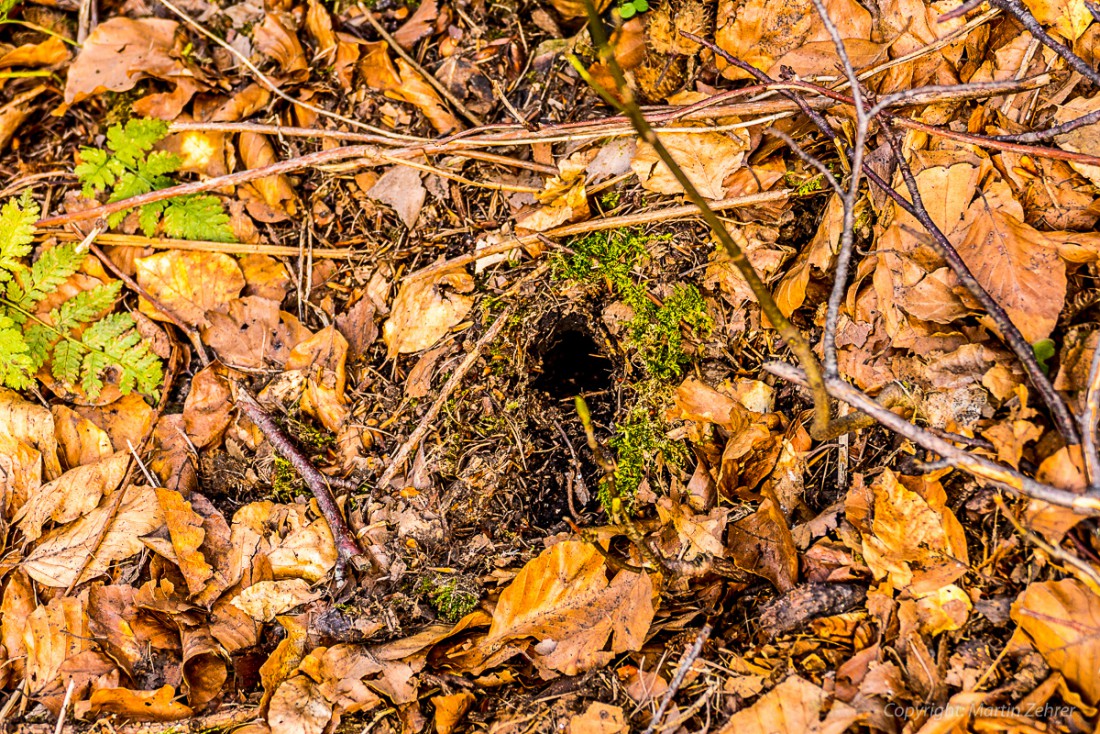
450	596
655	334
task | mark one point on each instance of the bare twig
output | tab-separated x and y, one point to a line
682	669
1089	419
628	106
1083	567
347	548
1018	11
414	439
976	465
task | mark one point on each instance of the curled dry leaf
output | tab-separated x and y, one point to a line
285	658
126	420
1062	620
81	441
420	24
72	495
1084	138
563	599
278	197
158	705
208	407
33	425
706	157
53	633
185	528
598	718
59	556
120	52
449	710
793	707
321	359
403	83
47	53
425	309
909	534
273	39
189	283
266	600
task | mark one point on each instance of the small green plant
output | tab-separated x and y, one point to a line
79	338
450	596
1044	350
130	167
655	333
629	9
611	199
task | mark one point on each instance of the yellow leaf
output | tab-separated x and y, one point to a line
426	309
1062	619
189	283
792	707
449	710
706	158
72	495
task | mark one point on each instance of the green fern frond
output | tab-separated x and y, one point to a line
68	356
16	363
97	170
85	306
197	218
29	286
133	168
131	143
115	339
6	6
17	220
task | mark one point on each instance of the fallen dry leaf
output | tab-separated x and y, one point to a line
59	556
1015	263
185	528
400	188
403	83
33	425
598	718
266	600
72	495
793	706
189	283
563	599
425	309
706	158
278	197
158	705
81	441
273	39
120	52
449	710
253	333
1062	620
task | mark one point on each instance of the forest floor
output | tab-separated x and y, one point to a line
364	370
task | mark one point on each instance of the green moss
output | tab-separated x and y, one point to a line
611	199
655	334
452	597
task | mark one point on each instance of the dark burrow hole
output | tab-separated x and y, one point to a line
570	361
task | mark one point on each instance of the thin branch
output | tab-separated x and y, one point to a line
791	335
978	466
1018	11
414	439
1089	421
682	669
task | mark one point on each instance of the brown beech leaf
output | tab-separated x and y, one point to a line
1016	263
59	556
794	706
189	283
126	420
33	425
419	24
256	152
253	333
1062	620
400	188
266	600
81	441
598	718
120	52
425	309
264	276
563	596
186	531
158	705
47	53
403	83
1069	17
706	157
53	633
72	495
449	710
284	659
274	40
1085	138
208	407
909	533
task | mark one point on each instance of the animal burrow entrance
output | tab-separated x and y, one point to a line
569	361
